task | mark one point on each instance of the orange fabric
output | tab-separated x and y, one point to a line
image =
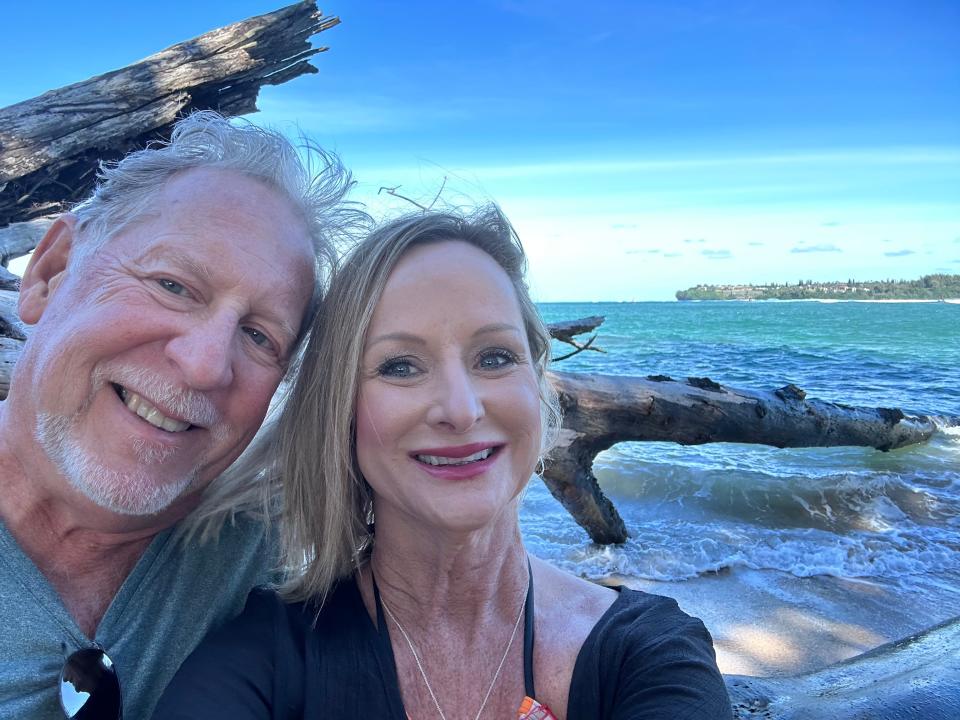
530	709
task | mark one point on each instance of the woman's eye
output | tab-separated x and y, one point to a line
398	368
496	359
258	337
173	286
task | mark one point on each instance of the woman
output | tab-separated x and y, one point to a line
420	412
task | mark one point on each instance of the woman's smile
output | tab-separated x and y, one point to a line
458	463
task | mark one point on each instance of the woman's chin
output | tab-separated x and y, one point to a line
466	518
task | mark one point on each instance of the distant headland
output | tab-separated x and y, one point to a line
929	287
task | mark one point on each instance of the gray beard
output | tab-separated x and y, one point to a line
128	493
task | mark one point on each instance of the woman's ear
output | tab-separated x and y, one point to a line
47	268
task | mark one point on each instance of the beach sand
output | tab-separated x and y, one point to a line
768	623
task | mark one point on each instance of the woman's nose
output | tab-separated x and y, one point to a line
457	403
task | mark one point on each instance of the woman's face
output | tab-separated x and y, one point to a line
448	410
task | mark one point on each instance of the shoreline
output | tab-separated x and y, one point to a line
829	301
768	623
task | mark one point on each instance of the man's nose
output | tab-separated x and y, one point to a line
204	351
457	404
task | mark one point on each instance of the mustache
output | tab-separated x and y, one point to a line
189	405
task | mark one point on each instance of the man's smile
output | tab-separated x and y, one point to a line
149	412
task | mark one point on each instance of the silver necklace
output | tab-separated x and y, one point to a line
423	674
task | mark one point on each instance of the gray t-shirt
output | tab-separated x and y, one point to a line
172	597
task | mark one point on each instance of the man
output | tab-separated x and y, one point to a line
166	309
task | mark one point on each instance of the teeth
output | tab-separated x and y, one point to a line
440	460
149	413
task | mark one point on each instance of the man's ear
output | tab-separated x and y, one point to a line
47	268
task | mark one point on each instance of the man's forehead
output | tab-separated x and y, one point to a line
183	186
224	228
199	199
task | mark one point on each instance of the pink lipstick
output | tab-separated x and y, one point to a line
460	462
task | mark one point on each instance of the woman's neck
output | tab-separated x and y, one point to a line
429	577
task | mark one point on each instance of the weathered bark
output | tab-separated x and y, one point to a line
602	410
917	678
11	338
15	241
19	239
566	330
8	281
50	146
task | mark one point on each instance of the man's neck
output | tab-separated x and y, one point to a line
84	552
86	567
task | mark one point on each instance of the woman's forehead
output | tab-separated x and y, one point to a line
447	280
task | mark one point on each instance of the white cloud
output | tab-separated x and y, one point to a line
826	248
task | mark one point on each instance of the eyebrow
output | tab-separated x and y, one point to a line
416	339
202	271
179	258
497	327
399	336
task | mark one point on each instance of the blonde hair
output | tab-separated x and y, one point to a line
326	501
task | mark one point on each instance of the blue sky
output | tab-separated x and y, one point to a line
639	147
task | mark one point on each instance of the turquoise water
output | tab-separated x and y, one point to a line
846	512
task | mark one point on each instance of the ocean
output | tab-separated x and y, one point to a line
853	513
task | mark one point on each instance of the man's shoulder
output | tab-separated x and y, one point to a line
239	543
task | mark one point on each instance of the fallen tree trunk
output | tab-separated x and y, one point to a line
565	332
916	678
21	238
11	338
51	145
602	410
15	241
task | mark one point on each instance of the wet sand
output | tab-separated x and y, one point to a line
767	623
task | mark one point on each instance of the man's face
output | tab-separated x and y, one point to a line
154	361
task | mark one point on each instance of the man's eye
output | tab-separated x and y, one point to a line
258	337
398	368
173	286
496	359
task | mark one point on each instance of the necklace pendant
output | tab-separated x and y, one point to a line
530	709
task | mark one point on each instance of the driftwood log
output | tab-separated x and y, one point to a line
916	678
602	410
566	332
51	145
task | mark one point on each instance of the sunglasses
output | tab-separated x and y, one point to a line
89	687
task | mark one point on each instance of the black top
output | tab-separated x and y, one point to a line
644	658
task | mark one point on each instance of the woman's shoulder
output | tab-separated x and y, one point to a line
574	600
646	653
566	610
273	629
645	618
258	661
267	608
264	611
